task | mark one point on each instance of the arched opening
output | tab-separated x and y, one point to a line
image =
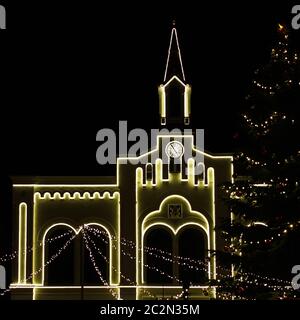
98	242
61	270
192	246
82	261
161	239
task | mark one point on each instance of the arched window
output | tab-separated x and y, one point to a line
78	263
158	238
192	245
61	270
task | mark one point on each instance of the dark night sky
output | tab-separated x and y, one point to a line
71	69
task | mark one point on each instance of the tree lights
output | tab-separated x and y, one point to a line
267	168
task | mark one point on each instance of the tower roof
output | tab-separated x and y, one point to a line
174	65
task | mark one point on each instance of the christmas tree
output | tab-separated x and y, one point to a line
264	232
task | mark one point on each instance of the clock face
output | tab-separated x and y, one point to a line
174	149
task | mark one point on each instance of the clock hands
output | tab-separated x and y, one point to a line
174	149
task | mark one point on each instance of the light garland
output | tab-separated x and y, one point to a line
92	258
254	162
271	120
52	258
176	297
278	235
159	254
280	54
161	272
256	281
131	282
11	256
286	229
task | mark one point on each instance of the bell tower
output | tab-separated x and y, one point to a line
174	92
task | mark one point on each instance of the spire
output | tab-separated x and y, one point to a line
174	65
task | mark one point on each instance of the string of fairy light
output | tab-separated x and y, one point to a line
171	258
266	126
285	229
166	256
125	253
189	262
183	293
47	263
280	54
105	283
11	256
257	163
268	86
104	257
284	232
132	257
239	191
93	261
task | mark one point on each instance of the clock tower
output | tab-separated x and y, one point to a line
174	92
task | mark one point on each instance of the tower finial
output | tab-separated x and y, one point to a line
174	65
174	23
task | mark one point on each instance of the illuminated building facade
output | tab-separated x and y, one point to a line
160	200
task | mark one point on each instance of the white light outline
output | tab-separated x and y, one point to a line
173	142
162	97
76	231
119	161
122	159
64	185
159	179
175	233
144	230
125	159
158	162
22	254
174	31
110	251
75	196
35	288
258	223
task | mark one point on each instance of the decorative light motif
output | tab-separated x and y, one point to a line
11	256
257	280
121	275
92	258
174	33
51	259
131	257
